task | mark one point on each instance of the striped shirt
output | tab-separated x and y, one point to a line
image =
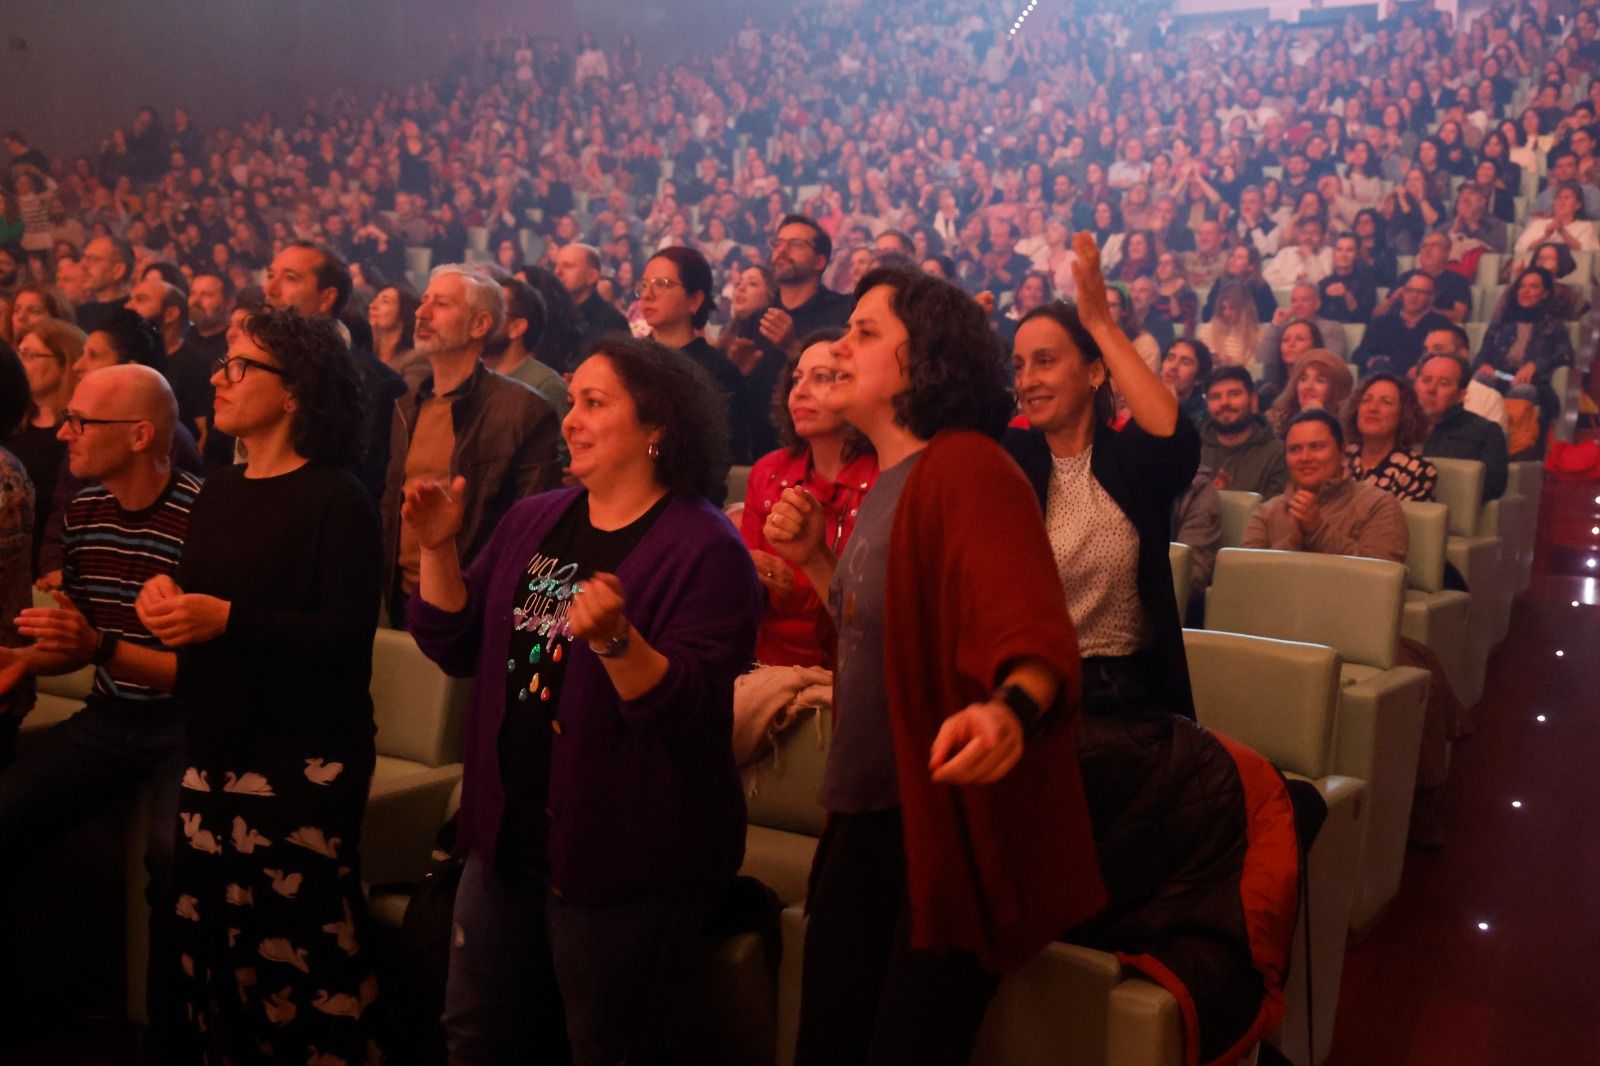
111	553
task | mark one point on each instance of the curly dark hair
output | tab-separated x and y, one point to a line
960	373
674	392
561	345
328	425
1414	424
135	340
855	442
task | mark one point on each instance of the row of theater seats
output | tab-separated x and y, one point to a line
1297	661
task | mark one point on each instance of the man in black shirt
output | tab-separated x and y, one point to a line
107	274
1397	336
1350	293
578	269
186	369
800	253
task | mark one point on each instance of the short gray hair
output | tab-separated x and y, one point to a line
483	293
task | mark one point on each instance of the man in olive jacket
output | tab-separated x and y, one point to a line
463	421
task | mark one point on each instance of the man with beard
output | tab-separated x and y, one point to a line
800	253
1238	443
186	369
510	351
464	419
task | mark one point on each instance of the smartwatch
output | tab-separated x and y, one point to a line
105	648
1029	715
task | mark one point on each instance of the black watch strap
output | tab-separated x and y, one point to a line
1028	712
105	648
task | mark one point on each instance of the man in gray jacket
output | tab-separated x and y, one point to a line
1237	443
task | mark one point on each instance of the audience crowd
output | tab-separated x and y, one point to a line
370	340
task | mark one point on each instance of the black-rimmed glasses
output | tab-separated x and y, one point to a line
234	368
76	422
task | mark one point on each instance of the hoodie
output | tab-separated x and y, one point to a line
1255	465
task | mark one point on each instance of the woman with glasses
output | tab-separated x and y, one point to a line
272	617
676	298
836	465
48	350
603	627
958	841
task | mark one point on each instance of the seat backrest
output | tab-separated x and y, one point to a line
1460	488
417	707
786	783
1352	605
1525	479
1237	507
1428	525
1182	562
738	480
1277	696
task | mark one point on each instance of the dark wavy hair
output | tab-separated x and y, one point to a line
960	372
1414	424
135	340
328	425
694	274
672	391
1066	316
855	442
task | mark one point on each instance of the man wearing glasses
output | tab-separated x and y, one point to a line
1393	341
800	253
128	526
107	273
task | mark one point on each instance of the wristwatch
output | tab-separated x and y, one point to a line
105	648
1029	715
616	647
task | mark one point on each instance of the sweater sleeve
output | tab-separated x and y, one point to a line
349	576
1378	531
1268	529
452	638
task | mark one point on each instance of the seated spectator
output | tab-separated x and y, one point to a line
49	352
1205	264
831	462
1237	442
1244	268
1034	291
1350	291
1305	305
1474	231
1175	306
676	298
628	606
1129	322
1137	258
1305	260
1568	224
1234	334
1457	433
1107	495
1395	337
1295	338
1197	524
463	418
1525	343
126	526
1384	427
1571	303
1412	211
1562	169
1185	368
1480	398
392	314
1322	509
1319	379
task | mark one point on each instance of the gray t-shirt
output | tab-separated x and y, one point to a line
860	775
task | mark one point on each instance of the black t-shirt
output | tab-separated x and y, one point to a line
1449	288
43	454
188	371
732	384
573	551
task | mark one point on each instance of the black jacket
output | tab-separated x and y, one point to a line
1460	434
1143	475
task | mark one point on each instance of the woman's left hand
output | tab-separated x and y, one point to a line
977	746
598	611
1093	308
186	618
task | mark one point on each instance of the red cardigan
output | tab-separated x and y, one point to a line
1003	869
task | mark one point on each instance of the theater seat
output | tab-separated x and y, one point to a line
1237	507
418	712
1526	479
1281	698
738	479
784	817
1477	556
1503	518
1353	606
1182	561
1434	615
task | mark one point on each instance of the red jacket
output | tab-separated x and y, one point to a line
1002	869
789	635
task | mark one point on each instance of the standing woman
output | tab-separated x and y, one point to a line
48	350
272	616
603	627
958	843
1107	496
392	314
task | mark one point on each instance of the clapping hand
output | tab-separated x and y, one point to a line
794	528
433	510
60	630
599	611
178	618
1094	309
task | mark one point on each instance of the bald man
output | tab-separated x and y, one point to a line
186	368
126	527
578	269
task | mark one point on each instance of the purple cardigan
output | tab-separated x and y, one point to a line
644	796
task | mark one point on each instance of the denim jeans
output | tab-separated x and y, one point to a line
66	774
531	975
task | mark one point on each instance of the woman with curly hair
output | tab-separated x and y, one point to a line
1384	428
602	626
272	616
958	841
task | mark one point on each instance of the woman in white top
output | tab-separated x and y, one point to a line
1234	333
1563	226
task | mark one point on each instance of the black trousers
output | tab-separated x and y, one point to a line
866	996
